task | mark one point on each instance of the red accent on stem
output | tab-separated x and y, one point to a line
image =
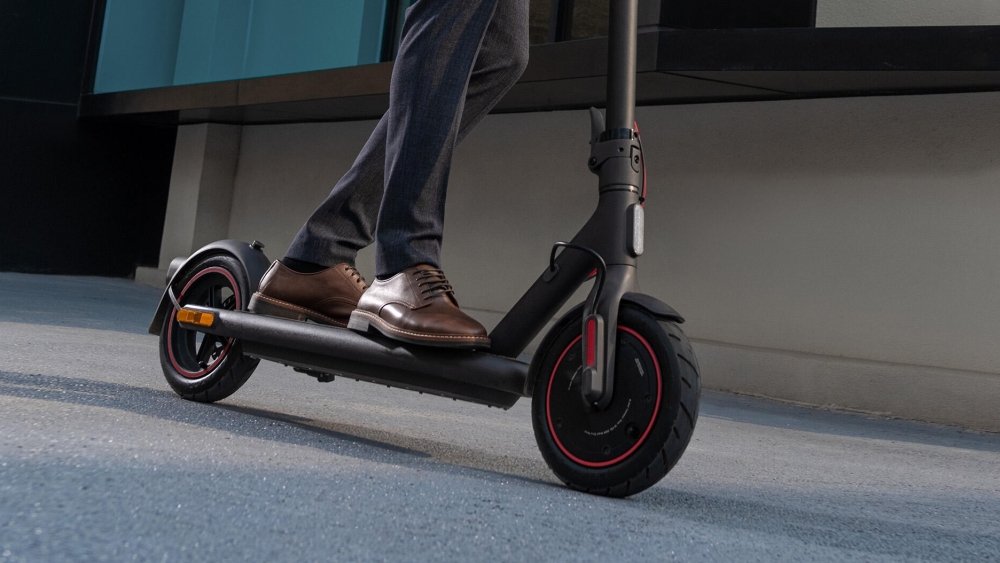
591	342
639	136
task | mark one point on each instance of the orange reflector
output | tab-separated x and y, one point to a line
187	316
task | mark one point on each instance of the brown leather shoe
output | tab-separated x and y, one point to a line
418	306
325	297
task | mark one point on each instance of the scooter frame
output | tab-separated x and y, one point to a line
608	244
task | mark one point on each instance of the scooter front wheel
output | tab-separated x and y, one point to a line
203	367
630	445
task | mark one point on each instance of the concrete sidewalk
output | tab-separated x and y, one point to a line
100	461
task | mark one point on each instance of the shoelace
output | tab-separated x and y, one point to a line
354	273
435	281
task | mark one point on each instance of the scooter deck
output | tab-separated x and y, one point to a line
478	377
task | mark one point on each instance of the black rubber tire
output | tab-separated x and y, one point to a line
671	429
231	368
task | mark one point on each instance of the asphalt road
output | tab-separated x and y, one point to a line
99	461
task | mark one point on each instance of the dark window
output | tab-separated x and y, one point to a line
590	19
540	21
577	19
395	14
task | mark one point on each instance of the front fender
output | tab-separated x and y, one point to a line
653	306
252	258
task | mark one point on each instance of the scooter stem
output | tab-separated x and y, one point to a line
614	231
622	29
612	160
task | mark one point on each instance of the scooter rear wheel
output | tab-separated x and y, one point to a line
640	436
198	366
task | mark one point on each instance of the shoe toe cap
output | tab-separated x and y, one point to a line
443	323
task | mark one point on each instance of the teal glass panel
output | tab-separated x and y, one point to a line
154	43
213	40
194	49
303	35
230	42
139	44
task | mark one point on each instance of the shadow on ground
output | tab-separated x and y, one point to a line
361	442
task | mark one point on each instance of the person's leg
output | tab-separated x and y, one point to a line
345	222
412	300
502	58
441	39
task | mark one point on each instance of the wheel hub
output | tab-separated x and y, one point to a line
194	354
603	438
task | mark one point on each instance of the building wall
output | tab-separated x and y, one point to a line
836	251
877	13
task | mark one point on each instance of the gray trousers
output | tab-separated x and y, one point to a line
457	59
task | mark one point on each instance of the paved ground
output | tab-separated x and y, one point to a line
99	461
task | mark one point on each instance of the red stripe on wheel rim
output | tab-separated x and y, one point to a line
649	427
173	315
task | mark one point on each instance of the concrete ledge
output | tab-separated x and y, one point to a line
153	277
961	398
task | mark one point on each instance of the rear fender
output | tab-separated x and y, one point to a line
252	258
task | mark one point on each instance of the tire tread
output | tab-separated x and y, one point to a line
237	367
683	429
677	438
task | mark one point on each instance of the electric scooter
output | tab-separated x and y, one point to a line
614	384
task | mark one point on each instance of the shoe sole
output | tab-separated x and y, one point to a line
363	321
271	307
